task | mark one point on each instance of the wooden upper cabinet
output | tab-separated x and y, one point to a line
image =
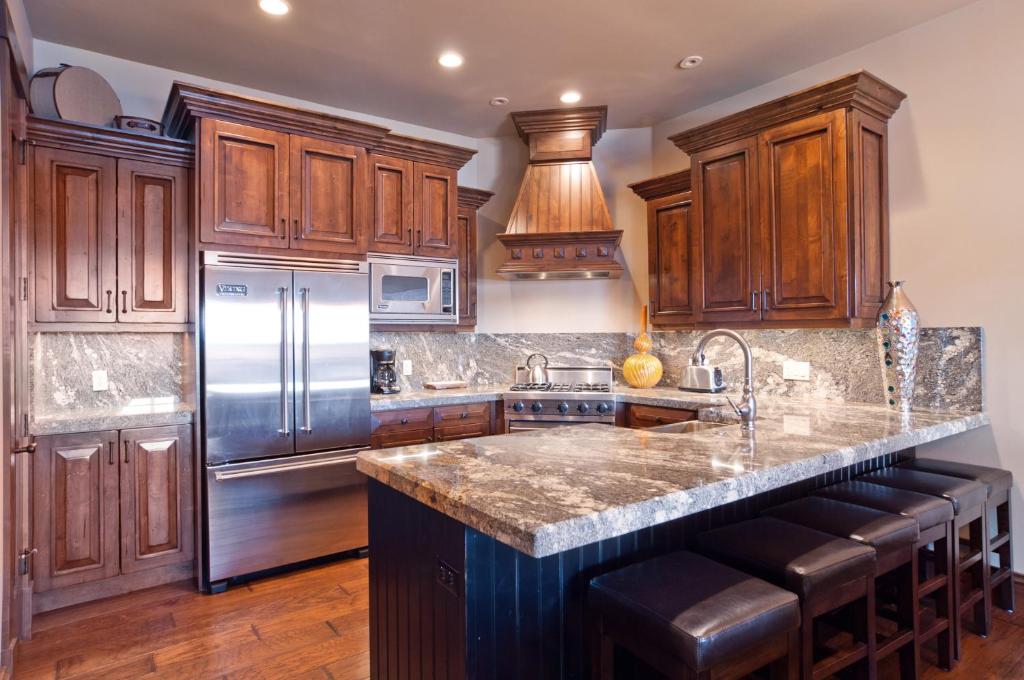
726	208
392	214
156	497
152	251
435	205
75	273
803	218
672	259
466	221
328	196
243	187
75	509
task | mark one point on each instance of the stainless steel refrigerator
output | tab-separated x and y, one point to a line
284	346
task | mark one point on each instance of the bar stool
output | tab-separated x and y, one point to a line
935	523
691	617
824	571
998	512
893	538
968	498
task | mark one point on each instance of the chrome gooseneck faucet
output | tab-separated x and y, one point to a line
747	408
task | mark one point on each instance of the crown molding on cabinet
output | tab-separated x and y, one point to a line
662	185
108	141
861	90
474	199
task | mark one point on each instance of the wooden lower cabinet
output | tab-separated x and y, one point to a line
639	416
408	427
109	506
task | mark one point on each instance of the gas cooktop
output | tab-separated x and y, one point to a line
561	387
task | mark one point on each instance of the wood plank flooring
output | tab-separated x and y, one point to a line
307	624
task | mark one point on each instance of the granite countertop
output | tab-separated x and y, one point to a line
151	415
546	491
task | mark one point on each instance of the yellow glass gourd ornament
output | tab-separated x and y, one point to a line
642	369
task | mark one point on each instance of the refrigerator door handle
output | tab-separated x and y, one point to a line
278	467
307	410
283	292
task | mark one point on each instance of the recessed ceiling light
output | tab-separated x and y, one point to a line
275	7
450	59
570	97
499	101
691	62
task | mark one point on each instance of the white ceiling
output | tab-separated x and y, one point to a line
380	56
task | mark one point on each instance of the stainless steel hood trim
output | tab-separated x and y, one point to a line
314	264
564	275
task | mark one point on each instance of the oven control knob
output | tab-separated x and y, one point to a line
583	408
603	408
563	408
537	407
518	407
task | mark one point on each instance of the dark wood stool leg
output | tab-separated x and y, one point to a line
945	554
1003	595
982	573
908	617
806	642
788	666
865	630
602	653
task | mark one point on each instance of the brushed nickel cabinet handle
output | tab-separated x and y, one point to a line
298	232
764	299
124	302
110	453
419	237
405	421
284	227
753	300
109	310
126	451
410	236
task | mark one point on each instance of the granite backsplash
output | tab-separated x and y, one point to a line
146	374
844	363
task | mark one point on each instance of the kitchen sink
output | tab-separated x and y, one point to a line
686	427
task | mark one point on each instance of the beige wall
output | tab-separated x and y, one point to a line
954	192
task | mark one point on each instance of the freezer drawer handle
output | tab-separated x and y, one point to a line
274	469
284	431
307	416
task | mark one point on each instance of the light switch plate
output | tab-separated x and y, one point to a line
100	382
406	366
796	370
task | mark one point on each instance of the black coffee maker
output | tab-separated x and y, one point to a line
385	378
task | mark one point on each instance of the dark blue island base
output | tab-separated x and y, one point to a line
447	602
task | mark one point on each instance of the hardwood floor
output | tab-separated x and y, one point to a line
307	624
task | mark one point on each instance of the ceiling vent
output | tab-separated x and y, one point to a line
560	227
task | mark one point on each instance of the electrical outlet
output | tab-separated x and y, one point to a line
406	366
796	370
100	382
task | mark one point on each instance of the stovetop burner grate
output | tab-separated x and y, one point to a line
561	387
531	387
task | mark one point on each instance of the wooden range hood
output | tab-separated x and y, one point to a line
560	227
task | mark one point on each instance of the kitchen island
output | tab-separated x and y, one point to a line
481	549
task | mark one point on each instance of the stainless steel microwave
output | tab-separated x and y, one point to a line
405	289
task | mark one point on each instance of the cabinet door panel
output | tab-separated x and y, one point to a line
869	213
328	196
671	255
156	497
392	220
152	232
802	175
243	194
75	527
75	236
725	199
436	205
467	267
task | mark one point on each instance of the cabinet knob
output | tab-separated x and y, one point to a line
405	421
463	415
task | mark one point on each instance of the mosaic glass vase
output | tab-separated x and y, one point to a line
899	333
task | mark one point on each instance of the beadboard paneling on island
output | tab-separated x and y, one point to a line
844	363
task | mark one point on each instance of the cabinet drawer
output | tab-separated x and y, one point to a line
401	438
652	416
466	431
462	414
385	422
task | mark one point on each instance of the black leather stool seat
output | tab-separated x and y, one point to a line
929	511
883	531
802	560
962	493
996	479
705	612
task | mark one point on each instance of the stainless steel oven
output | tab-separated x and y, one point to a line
527	423
413	289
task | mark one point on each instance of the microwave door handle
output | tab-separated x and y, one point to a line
283	292
307	417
